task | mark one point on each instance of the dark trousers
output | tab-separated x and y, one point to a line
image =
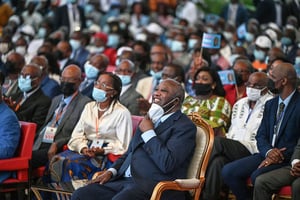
40	156
237	172
224	151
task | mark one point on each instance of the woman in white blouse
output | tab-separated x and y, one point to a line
103	131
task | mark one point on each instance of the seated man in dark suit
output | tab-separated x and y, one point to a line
93	68
161	149
269	183
129	96
276	137
30	104
49	86
63	54
62	117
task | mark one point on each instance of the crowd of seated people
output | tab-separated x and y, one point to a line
79	69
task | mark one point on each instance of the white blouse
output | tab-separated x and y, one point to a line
114	126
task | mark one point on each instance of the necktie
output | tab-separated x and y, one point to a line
280	113
62	104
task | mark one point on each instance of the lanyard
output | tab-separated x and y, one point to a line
60	114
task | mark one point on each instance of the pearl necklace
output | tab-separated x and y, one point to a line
100	109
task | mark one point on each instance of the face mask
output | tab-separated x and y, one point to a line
24	84
192	43
156	75
67	88
259	55
123	25
155	112
21	50
249	37
228	36
113	40
177	46
253	94
168	42
58	55
3	47
138	57
99	95
75	44
297	60
42	33
10	67
126	79
97	49
72	1
91	72
271	87
286	41
202	89
89	23
238	79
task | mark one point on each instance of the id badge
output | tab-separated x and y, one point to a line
97	143
49	134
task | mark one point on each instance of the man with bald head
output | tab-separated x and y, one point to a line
49	86
30	104
93	67
240	139
164	142
62	117
276	137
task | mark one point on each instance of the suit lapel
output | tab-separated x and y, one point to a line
288	112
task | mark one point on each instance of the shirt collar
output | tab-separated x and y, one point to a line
287	100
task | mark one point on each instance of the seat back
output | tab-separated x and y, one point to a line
204	144
135	122
24	150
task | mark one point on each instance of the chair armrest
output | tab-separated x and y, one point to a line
13	164
178	184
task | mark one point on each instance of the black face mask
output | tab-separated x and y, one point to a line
271	87
11	67
238	79
202	89
67	88
59	55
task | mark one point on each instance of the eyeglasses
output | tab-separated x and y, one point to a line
27	76
103	86
125	71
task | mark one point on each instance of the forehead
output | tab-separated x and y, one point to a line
70	72
240	65
204	74
29	70
105	78
124	65
255	79
169	70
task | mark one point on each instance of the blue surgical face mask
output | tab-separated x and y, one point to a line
24	84
42	32
113	40
259	55
191	43
126	79
249	37
297	60
156	75
177	46
286	41
99	95
91	72
75	44
168	42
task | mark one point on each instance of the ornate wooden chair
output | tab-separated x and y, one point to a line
196	172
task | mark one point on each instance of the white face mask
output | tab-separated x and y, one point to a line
155	112
253	94
21	50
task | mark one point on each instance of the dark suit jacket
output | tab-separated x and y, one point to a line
81	55
164	157
35	107
129	100
289	129
61	17
241	15
72	62
69	120
88	91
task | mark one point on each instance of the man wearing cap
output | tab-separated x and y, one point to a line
262	45
99	46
